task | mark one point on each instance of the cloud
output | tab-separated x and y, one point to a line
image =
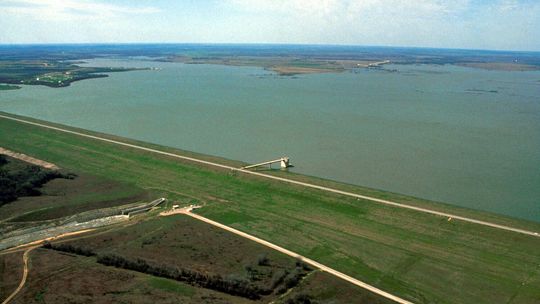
354	21
353	16
345	7
295	7
498	24
410	8
492	24
508	5
69	10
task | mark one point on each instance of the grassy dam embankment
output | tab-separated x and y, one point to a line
420	257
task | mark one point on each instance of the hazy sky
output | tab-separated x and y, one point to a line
480	24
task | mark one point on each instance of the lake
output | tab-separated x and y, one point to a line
463	136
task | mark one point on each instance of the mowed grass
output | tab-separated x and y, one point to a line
417	256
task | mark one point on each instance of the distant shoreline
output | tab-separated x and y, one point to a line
54	65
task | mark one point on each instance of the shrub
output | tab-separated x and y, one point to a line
278	278
301	299
301	264
263	260
294	277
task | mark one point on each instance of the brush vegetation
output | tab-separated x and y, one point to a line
19	179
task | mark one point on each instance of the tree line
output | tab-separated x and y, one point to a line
235	287
70	249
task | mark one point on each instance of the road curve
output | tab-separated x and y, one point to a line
25	275
286	180
296	255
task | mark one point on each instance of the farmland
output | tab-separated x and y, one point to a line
417	256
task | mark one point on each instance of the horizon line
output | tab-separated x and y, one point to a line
262	44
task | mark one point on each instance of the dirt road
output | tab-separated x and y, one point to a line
25	275
34	245
39	242
286	180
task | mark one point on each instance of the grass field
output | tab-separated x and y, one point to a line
178	241
62	197
416	256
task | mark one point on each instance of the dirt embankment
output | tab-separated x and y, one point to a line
29	159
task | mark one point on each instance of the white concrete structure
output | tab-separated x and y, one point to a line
284	163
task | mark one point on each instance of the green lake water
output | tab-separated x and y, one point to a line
463	136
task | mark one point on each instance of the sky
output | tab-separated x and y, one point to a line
469	24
